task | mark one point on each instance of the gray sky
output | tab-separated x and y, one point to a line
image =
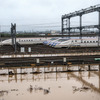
26	12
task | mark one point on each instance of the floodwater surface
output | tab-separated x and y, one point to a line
83	85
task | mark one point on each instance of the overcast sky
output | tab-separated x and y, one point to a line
24	12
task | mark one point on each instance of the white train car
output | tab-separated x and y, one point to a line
25	41
85	42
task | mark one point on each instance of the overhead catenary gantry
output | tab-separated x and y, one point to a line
66	28
13	35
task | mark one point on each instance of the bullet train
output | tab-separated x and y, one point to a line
85	42
58	41
25	41
52	41
47	42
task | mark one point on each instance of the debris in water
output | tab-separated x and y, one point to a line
59	86
81	89
3	92
14	89
46	91
36	88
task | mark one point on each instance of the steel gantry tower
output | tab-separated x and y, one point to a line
66	28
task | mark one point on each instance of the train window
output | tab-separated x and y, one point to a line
90	41
87	41
72	41
84	41
93	41
96	41
75	40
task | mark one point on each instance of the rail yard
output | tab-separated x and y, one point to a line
52	67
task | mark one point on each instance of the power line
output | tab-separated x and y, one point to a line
39	24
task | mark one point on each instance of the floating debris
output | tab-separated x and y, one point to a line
40	88
36	88
59	86
14	89
11	73
31	87
46	91
3	92
81	89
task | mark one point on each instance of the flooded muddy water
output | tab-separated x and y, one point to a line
84	85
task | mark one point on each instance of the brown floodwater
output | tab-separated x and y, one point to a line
83	85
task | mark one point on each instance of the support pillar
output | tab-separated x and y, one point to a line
99	76
89	67
38	69
56	76
99	79
99	23
99	30
69	27
56	68
16	76
80	26
79	68
21	70
67	67
62	26
44	69
8	70
89	74
32	69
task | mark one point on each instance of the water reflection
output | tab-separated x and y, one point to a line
53	80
